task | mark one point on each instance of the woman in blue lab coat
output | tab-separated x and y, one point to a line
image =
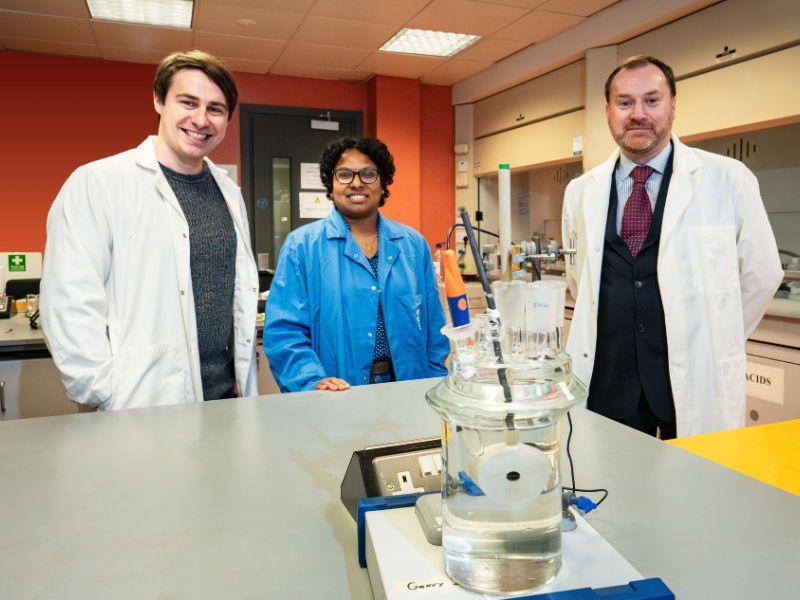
354	299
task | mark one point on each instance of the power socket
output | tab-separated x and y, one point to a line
392	469
408	472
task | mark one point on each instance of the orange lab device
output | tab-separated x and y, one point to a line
454	290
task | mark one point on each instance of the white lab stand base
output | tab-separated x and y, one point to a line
403	565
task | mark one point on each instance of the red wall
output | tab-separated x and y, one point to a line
397	123
59	114
63	112
417	123
437	201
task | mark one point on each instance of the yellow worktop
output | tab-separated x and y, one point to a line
769	453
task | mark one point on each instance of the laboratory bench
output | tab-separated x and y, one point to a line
17	337
773	355
769	453
240	499
30	385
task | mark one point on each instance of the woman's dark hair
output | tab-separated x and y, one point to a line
375	149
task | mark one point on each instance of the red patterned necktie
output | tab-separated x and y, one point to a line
638	213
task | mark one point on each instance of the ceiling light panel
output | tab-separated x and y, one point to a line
428	42
166	13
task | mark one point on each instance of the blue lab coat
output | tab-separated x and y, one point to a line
322	309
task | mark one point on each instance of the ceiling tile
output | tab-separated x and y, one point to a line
401	65
464	16
50	47
455	70
141	37
323	56
531	4
491	49
59	8
41	27
440	79
356	75
292	6
131	54
349	34
583	8
537	26
270	24
294	70
247	66
386	12
247	48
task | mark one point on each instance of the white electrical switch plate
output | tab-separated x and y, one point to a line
407	484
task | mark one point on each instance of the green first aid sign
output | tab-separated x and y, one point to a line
16	262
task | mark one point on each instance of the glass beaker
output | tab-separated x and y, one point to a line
541	320
489	332
32	304
501	484
463	342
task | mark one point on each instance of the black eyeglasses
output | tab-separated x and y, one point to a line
366	175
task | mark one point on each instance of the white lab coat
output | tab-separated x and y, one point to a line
718	268
117	307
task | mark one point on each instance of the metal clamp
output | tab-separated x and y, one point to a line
571	251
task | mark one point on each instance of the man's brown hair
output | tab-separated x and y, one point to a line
196	59
642	60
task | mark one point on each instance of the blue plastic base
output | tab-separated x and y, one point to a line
644	589
366	505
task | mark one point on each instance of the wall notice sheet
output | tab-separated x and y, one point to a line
314	205
309	177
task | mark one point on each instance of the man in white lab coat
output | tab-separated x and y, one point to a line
676	263
149	290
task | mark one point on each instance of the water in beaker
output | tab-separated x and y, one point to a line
501	508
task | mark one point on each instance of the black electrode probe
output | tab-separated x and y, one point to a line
494	317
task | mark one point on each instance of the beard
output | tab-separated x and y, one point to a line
641	146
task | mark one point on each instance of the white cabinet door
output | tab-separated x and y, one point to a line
773	374
32	388
551	94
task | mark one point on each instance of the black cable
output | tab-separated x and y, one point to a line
599	502
569	456
572	470
455	225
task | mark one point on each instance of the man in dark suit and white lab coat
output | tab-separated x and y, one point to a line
676	264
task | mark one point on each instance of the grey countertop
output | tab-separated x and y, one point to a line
16	334
240	499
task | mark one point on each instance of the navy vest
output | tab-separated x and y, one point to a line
631	354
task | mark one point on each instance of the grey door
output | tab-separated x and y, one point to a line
276	140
